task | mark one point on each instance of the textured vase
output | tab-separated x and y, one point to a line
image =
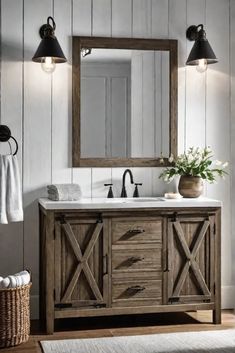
190	186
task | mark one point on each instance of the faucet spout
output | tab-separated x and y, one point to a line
127	171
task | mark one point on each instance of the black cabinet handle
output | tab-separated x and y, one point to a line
136	231
105	264
135	289
135	259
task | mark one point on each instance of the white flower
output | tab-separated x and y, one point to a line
171	158
225	165
218	163
208	149
170	180
190	158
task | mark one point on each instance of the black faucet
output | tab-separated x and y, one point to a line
123	193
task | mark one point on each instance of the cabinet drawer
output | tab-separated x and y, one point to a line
148	257
136	231
136	292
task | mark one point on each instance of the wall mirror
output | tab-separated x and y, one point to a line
124	101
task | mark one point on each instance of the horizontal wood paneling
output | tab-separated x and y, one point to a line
38	106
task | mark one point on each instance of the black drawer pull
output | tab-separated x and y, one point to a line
135	259
135	289
105	264
136	231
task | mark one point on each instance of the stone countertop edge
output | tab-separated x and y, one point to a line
104	203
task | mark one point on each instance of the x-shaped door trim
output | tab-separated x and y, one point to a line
190	259
82	261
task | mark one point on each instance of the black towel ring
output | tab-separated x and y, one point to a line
5	135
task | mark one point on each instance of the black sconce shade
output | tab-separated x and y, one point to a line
201	48
49	45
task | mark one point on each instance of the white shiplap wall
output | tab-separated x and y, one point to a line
37	106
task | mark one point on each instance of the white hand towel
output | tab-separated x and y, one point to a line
5	282
13	191
64	192
3	189
10	190
18	279
23	277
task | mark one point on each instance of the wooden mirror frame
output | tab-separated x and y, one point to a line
170	45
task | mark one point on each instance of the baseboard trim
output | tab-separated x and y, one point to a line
227	301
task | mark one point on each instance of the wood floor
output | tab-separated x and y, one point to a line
125	325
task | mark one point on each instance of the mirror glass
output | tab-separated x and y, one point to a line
125	103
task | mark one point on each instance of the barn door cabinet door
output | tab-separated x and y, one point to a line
191	259
80	263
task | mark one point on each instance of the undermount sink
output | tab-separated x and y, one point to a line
134	199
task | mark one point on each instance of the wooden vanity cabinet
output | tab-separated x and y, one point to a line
125	262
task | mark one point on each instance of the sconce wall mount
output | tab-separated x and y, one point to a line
49	51
201	50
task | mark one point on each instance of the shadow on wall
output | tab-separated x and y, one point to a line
11	51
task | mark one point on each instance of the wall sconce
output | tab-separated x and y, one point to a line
201	53
49	51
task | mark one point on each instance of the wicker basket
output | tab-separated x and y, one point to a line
14	316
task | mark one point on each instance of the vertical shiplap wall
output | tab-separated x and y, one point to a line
37	106
232	136
12	51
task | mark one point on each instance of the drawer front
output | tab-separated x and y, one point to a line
148	258
136	292
136	231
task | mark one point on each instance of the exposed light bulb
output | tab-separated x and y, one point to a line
202	65
48	64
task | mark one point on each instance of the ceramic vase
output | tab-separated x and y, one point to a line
190	186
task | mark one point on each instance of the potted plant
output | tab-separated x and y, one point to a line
194	166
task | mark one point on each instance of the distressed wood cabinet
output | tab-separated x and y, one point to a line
129	261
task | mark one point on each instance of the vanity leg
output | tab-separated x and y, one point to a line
49	324
217	266
47	271
50	274
217	316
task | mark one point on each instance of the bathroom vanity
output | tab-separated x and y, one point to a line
126	256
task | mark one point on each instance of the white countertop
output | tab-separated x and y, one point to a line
124	203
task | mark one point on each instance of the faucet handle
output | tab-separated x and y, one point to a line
110	192
136	191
